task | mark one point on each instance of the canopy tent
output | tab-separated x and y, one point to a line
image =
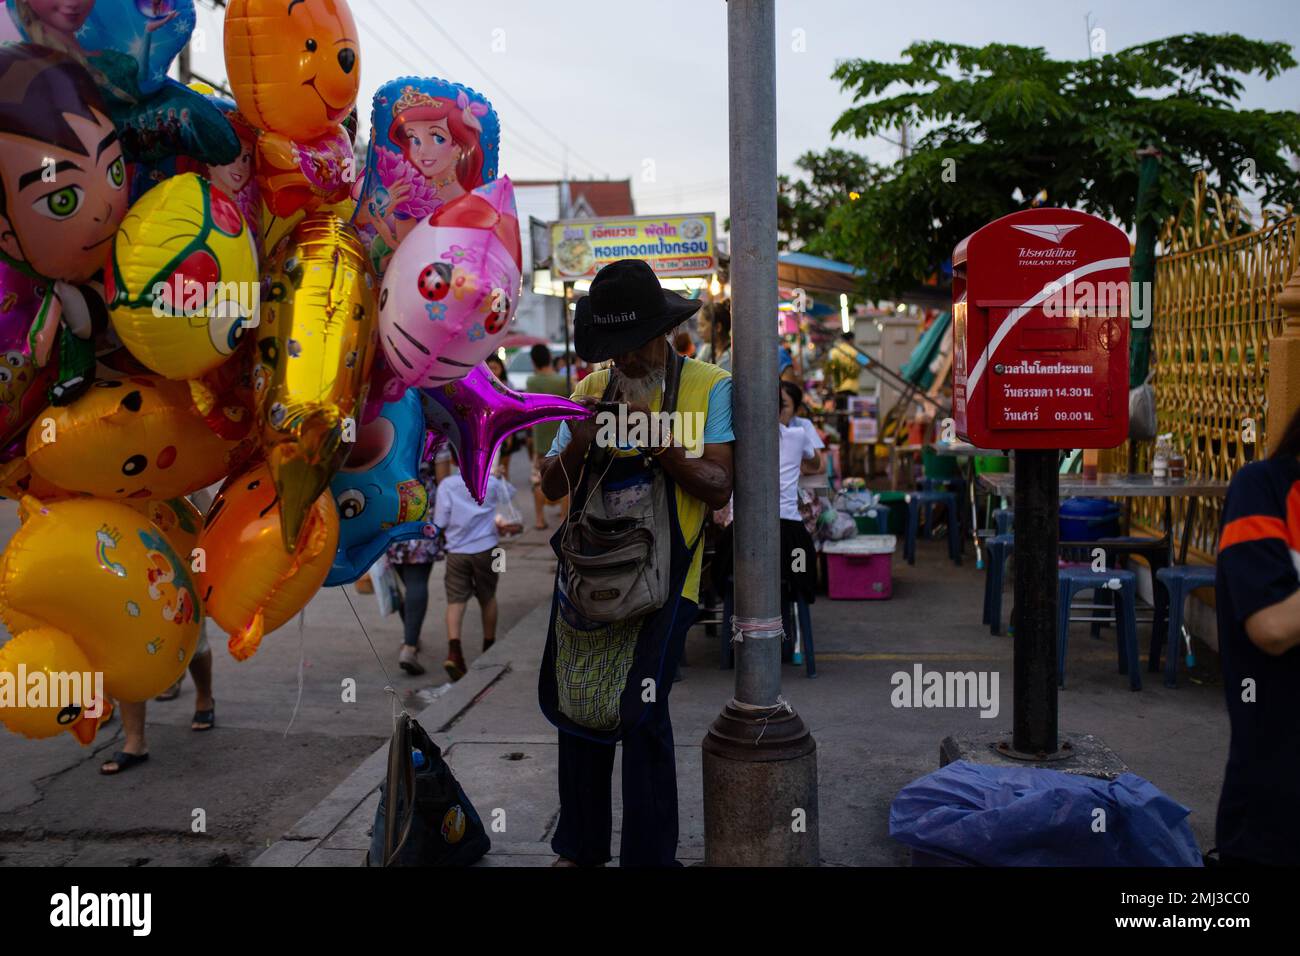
814	274
918	369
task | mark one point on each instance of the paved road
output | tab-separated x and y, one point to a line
263	767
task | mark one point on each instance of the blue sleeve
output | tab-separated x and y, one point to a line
717	427
562	437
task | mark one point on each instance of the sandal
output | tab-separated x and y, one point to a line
455	668
171	693
124	761
204	719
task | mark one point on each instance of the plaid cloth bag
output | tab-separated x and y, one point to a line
592	661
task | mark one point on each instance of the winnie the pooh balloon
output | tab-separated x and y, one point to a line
295	70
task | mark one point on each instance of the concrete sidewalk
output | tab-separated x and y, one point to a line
504	752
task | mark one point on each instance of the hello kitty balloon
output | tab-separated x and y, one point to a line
452	287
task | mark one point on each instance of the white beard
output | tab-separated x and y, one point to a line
639	389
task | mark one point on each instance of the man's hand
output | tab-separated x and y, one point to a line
582	431
561	472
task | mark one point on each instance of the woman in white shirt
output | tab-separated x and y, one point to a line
798	455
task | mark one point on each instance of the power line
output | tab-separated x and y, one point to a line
518	141
500	89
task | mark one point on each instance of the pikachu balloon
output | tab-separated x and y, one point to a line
250	585
105	578
316	344
183	281
133	437
295	71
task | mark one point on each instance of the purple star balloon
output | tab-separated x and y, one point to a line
478	413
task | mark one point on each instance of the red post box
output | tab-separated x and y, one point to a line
1040	326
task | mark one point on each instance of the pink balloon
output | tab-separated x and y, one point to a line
452	287
478	413
23	387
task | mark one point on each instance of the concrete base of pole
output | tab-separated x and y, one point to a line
1083	754
760	790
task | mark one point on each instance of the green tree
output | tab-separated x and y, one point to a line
1000	123
827	180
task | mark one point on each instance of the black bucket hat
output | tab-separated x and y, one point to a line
625	309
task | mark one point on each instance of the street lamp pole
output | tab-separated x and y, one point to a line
760	761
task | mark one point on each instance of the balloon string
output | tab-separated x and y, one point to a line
302	666
388	680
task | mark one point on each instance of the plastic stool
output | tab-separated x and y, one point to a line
999	549
916	500
956	485
1180	580
795	609
1004	520
1072	580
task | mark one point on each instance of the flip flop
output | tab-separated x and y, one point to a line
171	693
124	761
206	718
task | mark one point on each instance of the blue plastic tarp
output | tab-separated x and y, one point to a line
1024	816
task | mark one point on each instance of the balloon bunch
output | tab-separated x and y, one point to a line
197	290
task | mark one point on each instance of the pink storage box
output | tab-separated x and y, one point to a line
860	568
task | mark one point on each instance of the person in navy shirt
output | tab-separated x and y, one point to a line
1257	589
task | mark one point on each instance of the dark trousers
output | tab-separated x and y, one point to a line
415	581
649	782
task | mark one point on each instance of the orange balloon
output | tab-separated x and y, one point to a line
294	65
249	584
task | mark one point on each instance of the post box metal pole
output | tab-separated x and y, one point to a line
1037	495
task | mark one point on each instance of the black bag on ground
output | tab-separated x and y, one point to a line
432	822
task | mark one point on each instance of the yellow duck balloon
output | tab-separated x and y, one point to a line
316	343
54	656
183	281
99	577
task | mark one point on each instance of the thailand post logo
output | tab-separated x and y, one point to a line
1054	234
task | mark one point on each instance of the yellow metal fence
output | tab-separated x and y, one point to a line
1214	312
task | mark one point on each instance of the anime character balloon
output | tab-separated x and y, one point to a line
316	344
478	413
23	386
378	490
64	195
137	437
432	141
183	285
295	71
103	577
250	585
452	287
128	45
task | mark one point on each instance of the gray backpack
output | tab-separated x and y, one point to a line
617	568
